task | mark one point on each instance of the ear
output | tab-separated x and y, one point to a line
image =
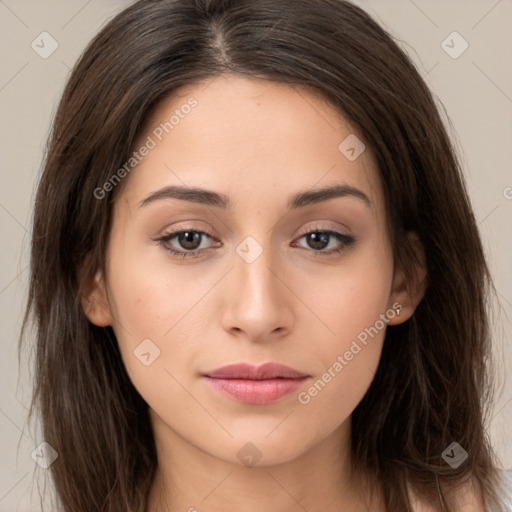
95	302
405	296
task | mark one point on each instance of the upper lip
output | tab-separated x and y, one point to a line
251	372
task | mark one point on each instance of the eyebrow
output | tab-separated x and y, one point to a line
210	198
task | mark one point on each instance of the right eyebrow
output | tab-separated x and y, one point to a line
308	197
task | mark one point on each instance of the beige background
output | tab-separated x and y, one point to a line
475	88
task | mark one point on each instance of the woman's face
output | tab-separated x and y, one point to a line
254	281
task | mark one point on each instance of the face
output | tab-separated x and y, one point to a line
263	271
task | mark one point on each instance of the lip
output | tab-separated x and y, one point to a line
260	385
251	372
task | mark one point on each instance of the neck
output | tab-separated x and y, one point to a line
320	478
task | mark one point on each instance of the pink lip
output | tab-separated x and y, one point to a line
256	385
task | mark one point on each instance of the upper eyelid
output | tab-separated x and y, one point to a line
322	228
313	229
317	226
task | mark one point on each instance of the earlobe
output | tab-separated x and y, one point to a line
95	302
405	296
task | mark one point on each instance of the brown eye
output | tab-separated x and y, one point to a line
189	240
319	240
185	243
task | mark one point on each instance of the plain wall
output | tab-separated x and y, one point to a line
475	88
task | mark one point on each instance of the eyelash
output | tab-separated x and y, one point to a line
346	242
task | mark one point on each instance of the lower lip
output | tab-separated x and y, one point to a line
256	391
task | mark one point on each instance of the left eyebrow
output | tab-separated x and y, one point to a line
323	194
211	198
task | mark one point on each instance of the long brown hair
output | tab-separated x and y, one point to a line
432	385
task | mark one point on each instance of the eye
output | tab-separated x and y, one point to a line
189	242
319	240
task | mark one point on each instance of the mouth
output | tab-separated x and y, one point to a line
256	385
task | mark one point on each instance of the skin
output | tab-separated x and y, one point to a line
258	143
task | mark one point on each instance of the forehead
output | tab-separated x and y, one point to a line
249	138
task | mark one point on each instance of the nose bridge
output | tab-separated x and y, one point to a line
253	267
258	303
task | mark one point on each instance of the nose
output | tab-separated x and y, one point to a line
258	301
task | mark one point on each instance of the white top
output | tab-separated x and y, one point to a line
506	491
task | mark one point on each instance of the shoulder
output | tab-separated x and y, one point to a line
467	500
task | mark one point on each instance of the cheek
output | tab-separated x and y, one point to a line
154	312
349	298
355	309
346	369
152	297
153	325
